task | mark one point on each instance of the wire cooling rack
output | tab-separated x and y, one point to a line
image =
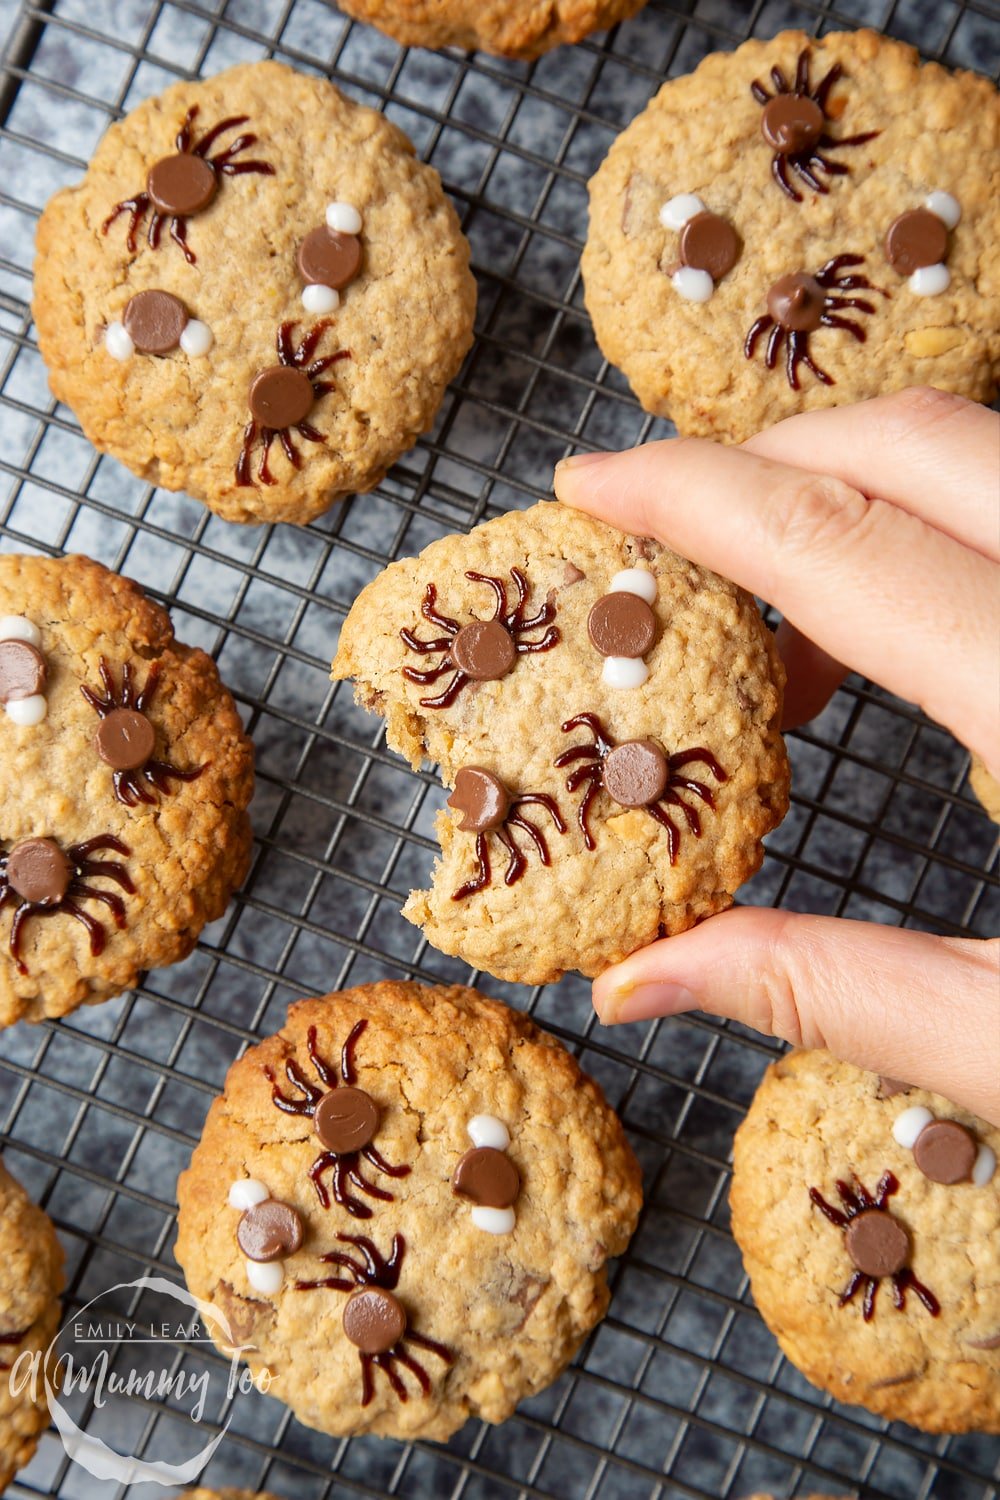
681	1392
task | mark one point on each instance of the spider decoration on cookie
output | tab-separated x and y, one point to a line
43	880
799	304
877	1243
489	807
345	1119
483	650
126	738
637	773
282	396
182	185
793	124
375	1321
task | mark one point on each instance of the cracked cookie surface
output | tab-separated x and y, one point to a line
127	826
31	1278
509	1308
508	28
402	327
937	133
814	1122
714	685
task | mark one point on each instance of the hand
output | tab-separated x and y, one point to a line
903	588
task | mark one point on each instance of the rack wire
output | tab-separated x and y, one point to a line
681	1391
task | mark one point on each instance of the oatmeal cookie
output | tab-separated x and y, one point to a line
423	1190
800	223
507	28
256	294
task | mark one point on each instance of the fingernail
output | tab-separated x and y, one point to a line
578	460
628	1001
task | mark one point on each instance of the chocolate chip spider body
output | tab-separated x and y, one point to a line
374	1319
281	398
877	1243
799	304
637	773
179	186
482	650
126	738
44	880
345	1119
793	124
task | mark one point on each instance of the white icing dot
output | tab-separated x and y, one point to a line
984	1166
197	338
493	1220
28	711
487	1130
676	211
17	628
265	1276
624	671
634	581
692	285
343	218
117	342
317	298
246	1193
930	281
907	1126
947	208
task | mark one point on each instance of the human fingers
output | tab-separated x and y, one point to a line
934	454
813	676
906	1004
875	587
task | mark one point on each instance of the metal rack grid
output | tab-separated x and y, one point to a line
681	1391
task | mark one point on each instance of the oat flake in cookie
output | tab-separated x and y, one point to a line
31	1278
868	1216
125	777
800	223
606	715
441	1255
256	294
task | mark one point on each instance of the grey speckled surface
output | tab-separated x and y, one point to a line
681	1392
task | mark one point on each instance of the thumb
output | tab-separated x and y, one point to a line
915	1007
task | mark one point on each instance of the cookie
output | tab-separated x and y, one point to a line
507	28
124	781
800	223
986	788
868	1214
256	294
31	1278
423	1190
228	1494
607	716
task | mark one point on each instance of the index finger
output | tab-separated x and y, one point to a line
879	589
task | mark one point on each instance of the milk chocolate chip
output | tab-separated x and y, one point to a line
945	1151
38	871
877	1243
154	321
709	243
281	397
484	650
181	185
329	259
125	739
346	1119
269	1230
621	624
791	123
636	773
915	239
797	302
23	672
481	797
374	1320
488	1177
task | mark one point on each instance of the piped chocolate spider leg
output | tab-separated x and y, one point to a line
481	879
307	430
385	1363
381	1270
856	1279
414	1367
697	788
804	169
446	698
762	324
759	92
830	320
690	814
666	821
98	936
868	1305
801	85
778	79
136	208
822	91
325	1162
431	1345
373	1155
210	137
178	233
115	904
828	1210
500	591
779	171
905	1280
263	469
354	1174
516	862
774	341
311	1095
325	1072
430	612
